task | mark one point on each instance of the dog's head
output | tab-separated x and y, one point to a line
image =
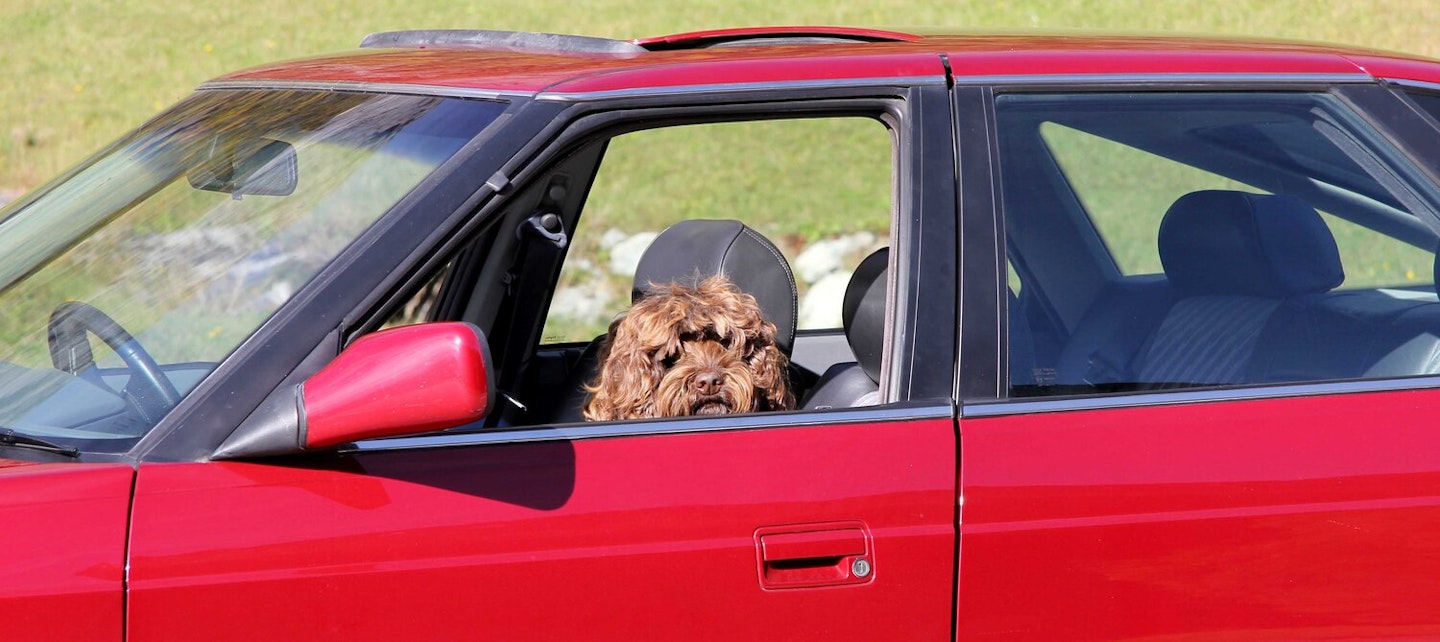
702	350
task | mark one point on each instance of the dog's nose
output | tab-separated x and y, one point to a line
708	383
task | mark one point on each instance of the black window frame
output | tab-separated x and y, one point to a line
923	221
1381	105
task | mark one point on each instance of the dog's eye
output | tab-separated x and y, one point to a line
712	335
669	361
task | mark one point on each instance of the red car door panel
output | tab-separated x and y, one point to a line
1287	518
63	527
643	537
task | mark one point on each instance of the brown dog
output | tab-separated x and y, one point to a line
679	350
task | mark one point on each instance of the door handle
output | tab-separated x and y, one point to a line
814	555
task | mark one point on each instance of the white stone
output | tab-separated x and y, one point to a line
611	237
583	302
625	255
820	307
826	256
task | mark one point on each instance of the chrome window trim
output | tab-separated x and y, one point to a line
1104	80
1413	84
365	87
718	88
1033	405
1110	81
668	426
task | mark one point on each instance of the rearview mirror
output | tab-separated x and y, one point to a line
402	381
261	166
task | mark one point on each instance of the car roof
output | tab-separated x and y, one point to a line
529	64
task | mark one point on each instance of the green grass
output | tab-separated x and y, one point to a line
1127	191
79	73
796	181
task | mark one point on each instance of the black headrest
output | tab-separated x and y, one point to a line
863	311
691	250
1237	243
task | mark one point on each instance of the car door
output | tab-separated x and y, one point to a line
1273	483
64	523
833	524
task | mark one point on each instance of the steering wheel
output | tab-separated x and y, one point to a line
148	391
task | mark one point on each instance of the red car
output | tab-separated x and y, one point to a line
346	306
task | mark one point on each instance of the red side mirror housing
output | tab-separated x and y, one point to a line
401	381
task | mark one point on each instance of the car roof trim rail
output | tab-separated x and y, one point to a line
675	90
762	36
524	41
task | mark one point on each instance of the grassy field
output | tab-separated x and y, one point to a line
78	73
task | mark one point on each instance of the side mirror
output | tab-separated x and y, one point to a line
401	381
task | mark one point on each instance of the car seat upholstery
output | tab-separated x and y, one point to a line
692	250
688	252
1022	367
1239	268
1233	258
1410	343
862	312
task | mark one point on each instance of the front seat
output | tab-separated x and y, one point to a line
857	383
690	251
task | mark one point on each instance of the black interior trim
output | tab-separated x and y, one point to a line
982	362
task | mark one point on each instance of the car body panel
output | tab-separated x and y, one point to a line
655	535
1121	56
1282	518
1396	67
1256	513
523	73
977	55
64	528
761	71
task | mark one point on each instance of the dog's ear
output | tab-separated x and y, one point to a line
771	368
624	387
772	377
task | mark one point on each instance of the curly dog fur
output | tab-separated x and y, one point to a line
702	350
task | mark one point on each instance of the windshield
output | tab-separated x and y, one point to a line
125	283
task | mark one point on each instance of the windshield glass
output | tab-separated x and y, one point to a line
125	283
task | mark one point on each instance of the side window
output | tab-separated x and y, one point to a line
789	208
1125	190
824	206
1168	241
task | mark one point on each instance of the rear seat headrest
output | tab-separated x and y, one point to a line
694	249
863	311
1237	243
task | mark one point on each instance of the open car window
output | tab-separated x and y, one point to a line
1167	241
807	215
824	207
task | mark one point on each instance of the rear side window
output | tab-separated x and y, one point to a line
1165	241
1125	191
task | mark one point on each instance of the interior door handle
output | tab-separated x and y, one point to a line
814	555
